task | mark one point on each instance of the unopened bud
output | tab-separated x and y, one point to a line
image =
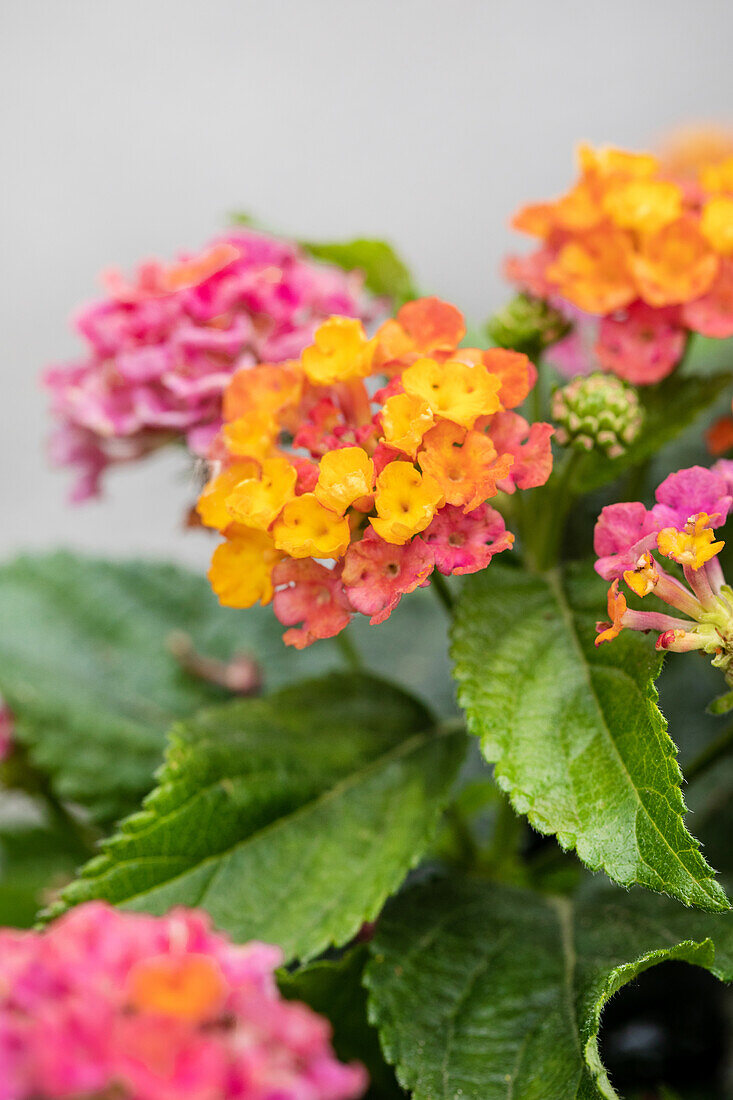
598	412
528	325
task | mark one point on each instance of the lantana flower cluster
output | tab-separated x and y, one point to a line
344	478
122	1006
162	346
631	540
636	258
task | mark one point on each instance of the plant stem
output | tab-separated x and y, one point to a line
713	752
349	652
439	586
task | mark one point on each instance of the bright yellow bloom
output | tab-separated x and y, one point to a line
716	224
405	502
211	505
344	476
643	205
267	388
610	162
307	529
693	545
461	392
340	351
241	569
257	501
405	419
674	265
643	578
252	435
718	177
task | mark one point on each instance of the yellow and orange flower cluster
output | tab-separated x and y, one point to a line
342	479
649	253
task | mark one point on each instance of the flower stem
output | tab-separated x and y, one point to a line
439	586
349	652
710	755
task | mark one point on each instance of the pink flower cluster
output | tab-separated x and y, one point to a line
121	1006
162	347
625	531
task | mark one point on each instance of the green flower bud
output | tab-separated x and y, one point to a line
598	412
527	324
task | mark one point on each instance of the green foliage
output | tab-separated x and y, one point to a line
384	270
290	819
35	859
85	667
490	993
335	990
575	733
668	408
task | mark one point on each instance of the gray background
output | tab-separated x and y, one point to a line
131	129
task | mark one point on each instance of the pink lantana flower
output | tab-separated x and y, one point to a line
309	593
377	574
530	446
104	1003
641	345
712	315
465	543
161	348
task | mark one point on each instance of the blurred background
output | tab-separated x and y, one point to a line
132	130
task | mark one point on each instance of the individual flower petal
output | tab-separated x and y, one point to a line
643	205
461	392
313	595
421	327
405	419
593	271
377	574
257	501
616	609
345	476
528	444
687	492
340	351
463	543
620	530
642	345
406	501
464	464
712	314
241	569
211	505
716	224
252	435
674	265
307	529
517	372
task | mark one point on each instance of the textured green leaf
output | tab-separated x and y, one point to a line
575	733
384	271
84	664
334	989
485	992
669	408
289	819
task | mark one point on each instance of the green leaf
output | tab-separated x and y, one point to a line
290	819
575	733
490	993
384	271
669	408
335	990
85	667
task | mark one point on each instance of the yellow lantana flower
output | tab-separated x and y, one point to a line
307	529
405	419
241	569
461	392
406	501
252	435
257	501
718	177
340	351
643	205
344	476
693	545
716	224
211	505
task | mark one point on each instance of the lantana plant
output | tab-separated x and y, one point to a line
279	833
